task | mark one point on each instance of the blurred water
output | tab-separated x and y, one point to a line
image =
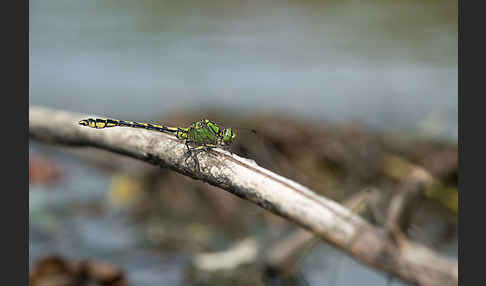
387	64
74	219
327	266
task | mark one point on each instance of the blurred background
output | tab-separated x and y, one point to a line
371	85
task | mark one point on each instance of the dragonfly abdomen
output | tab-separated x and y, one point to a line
100	123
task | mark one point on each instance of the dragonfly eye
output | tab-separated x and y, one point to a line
229	136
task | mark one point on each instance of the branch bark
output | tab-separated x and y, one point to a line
244	178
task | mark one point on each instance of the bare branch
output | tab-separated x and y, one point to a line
283	254
244	178
403	204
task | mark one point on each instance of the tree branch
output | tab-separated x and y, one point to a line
242	177
283	254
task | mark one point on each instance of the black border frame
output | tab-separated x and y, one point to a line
15	144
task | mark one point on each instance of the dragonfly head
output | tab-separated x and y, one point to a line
229	136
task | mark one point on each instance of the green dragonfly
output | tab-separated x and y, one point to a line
202	135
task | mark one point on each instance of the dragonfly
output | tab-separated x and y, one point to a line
202	135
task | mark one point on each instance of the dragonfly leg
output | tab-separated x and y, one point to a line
189	152
192	152
228	148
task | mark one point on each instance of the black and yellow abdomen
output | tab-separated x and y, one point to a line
100	123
